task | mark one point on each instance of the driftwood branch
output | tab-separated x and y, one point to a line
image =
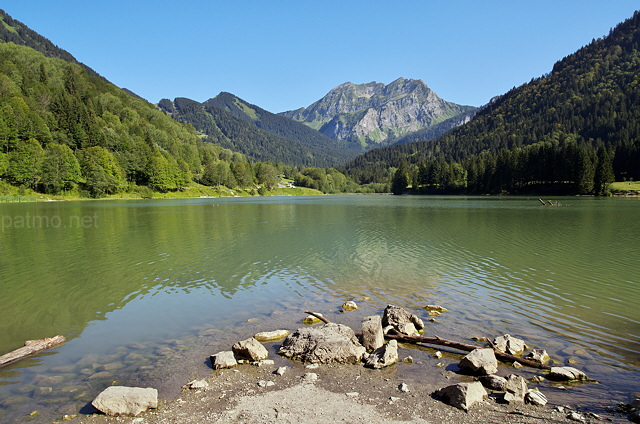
393	334
320	317
31	347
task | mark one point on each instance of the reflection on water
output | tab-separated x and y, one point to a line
141	277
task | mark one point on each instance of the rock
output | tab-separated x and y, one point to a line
196	384
310	377
250	349
566	374
437	354
408	360
349	305
434	313
281	370
403	387
535	397
264	363
310	319
494	382
372	334
462	395
509	344
383	356
538	355
121	400
515	389
436	308
575	416
401	320
268	336
224	359
517	365
330	343
480	361
263	383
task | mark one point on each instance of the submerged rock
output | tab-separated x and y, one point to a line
330	343
566	374
310	319
462	395
349	305
401	320
121	400
268	336
538	355
383	356
480	361
372	334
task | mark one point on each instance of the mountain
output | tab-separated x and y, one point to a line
13	31
574	129
238	125
376	114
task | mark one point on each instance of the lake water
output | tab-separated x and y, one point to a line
142	287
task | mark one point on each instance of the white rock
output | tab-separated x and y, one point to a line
250	349
224	359
480	361
196	384
372	333
538	355
121	400
281	370
310	377
509	344
566	373
403	387
535	397
515	389
349	305
463	395
383	356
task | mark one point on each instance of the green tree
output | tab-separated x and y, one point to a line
60	169
400	180
267	176
25	162
102	173
603	176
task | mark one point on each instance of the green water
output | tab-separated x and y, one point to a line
133	285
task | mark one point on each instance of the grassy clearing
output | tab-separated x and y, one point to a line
626	187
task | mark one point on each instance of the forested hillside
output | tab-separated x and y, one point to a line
573	130
281	141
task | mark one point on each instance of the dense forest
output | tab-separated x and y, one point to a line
258	134
62	130
572	131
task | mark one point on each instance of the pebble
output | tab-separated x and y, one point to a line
403	387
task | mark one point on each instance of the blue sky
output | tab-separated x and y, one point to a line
281	55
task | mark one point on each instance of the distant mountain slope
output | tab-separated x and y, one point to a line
551	128
376	114
262	135
14	31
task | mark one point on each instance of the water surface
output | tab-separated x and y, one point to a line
138	287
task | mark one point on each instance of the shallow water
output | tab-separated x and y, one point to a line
138	287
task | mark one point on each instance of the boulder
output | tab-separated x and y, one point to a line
269	336
121	400
372	335
538	355
250	349
401	320
349	305
515	389
509	344
566	374
330	343
535	397
480	361
223	360
462	395
494	382
383	356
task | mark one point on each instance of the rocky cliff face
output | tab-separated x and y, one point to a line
375	114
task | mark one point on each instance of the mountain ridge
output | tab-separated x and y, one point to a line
377	114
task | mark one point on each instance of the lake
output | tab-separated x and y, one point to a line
141	289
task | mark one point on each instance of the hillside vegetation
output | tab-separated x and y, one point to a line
572	131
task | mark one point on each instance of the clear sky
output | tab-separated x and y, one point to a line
282	55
